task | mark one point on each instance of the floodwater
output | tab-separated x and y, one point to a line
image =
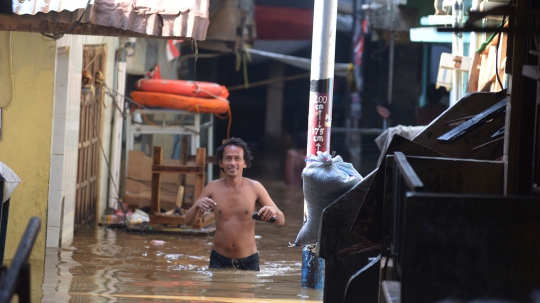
107	265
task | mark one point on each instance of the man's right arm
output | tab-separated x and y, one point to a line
204	203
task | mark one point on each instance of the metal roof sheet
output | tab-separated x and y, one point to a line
32	7
165	18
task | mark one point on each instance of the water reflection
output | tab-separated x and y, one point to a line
106	265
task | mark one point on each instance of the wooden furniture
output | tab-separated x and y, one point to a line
156	217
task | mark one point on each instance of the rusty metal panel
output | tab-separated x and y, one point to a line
88	163
179	19
33	24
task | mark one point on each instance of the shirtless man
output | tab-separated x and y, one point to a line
234	199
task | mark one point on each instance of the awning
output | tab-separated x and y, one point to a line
137	18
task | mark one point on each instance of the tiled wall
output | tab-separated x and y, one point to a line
65	138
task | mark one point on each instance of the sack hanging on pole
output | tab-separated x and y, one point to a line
326	178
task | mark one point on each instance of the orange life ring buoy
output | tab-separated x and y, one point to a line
198	89
192	104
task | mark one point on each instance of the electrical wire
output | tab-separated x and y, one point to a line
229	113
61	34
106	160
12	71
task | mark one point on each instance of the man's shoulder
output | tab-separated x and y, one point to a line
254	184
251	181
216	181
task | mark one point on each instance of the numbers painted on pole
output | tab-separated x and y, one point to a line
320	99
318	131
319	124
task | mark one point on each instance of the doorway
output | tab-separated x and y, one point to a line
89	151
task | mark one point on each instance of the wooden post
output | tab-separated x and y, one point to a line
155	207
180	197
221	172
200	161
183	158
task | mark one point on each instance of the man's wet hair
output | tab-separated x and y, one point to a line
248	156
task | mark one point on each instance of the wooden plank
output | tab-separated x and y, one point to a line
472	84
163	169
199	178
209	159
183	158
180	196
156	180
171	220
221	171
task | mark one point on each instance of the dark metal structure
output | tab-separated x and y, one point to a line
447	217
4	215
16	279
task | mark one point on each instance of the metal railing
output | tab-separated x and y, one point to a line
16	280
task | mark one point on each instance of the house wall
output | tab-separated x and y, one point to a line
27	131
40	132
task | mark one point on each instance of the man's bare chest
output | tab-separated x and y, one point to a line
235	204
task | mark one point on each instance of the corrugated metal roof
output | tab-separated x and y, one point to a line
165	18
32	7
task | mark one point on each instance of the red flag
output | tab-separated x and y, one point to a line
172	50
361	30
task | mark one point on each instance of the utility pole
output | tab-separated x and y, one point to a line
320	113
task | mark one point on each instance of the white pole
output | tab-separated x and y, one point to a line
457	50
116	133
320	113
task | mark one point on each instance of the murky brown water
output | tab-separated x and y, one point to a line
107	265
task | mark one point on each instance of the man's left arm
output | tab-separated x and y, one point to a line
268	209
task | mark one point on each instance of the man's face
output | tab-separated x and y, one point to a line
233	160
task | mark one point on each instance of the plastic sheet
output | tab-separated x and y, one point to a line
10	183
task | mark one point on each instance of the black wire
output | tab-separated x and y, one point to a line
195	48
61	34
